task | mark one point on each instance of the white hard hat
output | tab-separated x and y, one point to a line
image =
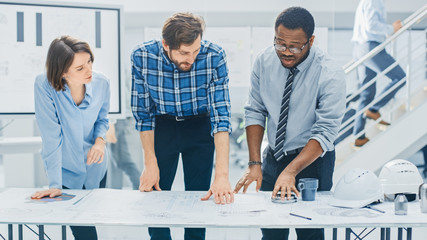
400	176
356	189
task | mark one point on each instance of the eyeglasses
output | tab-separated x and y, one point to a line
282	48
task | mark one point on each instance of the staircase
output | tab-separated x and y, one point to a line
407	114
402	139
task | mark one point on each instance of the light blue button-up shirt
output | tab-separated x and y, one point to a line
317	101
370	22
68	131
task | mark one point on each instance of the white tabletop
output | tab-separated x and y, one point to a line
12	145
184	209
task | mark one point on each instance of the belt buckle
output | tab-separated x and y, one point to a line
293	151
179	119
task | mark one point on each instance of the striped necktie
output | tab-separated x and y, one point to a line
283	119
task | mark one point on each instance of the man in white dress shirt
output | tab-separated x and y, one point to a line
370	30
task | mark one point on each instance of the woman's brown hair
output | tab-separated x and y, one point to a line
60	57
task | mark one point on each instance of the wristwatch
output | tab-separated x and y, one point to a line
250	163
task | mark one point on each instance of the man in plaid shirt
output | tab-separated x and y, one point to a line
181	104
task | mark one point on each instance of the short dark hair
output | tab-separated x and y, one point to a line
60	56
182	28
295	18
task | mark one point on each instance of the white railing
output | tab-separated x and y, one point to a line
408	23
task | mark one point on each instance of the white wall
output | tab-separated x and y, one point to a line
337	15
249	5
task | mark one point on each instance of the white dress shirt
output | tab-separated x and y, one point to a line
370	22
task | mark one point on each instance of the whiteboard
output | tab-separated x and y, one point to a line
28	27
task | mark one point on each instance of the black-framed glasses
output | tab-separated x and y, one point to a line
282	48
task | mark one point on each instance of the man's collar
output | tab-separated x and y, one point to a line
164	54
307	61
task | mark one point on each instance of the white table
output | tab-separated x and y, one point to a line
12	145
184	209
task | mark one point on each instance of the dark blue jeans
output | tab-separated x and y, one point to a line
322	169
192	139
86	232
367	71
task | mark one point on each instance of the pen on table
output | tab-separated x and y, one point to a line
296	215
375	209
81	199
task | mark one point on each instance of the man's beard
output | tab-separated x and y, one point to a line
179	64
291	56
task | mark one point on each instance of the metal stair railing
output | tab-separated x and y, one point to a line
410	21
347	124
415	18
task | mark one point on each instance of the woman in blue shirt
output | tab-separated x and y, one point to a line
71	106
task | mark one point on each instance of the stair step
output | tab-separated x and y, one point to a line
402	139
346	148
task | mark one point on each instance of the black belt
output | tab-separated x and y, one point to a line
290	152
183	118
295	151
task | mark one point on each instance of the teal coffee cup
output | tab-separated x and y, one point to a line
308	188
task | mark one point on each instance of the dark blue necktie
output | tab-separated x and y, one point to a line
283	119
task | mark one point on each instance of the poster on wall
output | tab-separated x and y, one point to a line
28	28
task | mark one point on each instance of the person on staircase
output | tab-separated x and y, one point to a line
370	30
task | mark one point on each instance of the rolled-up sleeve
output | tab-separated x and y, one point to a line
141	103
330	110
374	22
255	111
50	130
219	97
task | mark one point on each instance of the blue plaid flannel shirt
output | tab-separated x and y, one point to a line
159	87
